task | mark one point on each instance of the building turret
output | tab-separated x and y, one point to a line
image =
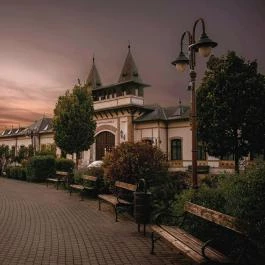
129	70
93	81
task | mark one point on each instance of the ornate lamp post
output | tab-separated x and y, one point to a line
32	133
203	46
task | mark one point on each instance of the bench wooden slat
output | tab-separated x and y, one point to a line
76	186
62	173
124	185
183	248
113	199
195	244
224	220
91	178
54	180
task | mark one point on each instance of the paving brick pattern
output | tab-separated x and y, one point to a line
40	225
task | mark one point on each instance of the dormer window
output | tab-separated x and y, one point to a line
17	131
9	132
46	127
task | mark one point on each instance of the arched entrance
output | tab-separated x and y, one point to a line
104	141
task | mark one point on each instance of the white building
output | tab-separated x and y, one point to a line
121	116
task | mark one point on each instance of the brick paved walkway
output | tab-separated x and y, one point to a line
40	225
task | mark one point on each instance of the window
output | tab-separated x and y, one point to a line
228	157
201	155
176	149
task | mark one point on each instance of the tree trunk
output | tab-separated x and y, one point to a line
236	153
76	159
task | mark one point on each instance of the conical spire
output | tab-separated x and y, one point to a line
129	70
93	79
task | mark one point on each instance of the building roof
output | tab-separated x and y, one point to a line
121	85
129	70
40	126
156	113
93	79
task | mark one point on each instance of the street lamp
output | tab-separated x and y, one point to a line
32	132
204	47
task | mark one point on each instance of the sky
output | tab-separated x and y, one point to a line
46	45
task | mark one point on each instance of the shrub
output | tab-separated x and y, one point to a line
16	172
130	162
63	164
241	196
102	184
40	167
166	189
245	199
46	153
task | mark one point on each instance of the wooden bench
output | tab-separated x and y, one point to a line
88	183
192	247
60	177
116	199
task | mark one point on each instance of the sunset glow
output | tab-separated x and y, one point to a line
46	47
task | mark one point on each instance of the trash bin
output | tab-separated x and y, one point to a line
142	206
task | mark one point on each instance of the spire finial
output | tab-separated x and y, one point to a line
129	45
93	58
78	81
180	102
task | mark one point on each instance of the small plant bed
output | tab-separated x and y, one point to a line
61	177
87	183
117	198
200	252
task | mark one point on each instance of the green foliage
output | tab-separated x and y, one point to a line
40	167
166	189
4	151
16	172
241	196
102	184
245	199
130	162
63	164
73	121
231	111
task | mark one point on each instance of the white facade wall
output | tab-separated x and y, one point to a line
181	130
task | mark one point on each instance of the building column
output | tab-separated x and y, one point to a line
130	129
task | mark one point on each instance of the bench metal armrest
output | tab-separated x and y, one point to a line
204	246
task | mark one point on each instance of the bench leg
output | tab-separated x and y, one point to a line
99	204
57	185
70	191
154	239
47	183
116	213
153	243
82	195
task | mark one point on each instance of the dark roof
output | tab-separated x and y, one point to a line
129	70
11	132
157	113
93	79
41	126
122	84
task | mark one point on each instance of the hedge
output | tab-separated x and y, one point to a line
63	164
40	167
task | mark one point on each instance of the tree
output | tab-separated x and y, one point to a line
130	162
73	121
230	107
